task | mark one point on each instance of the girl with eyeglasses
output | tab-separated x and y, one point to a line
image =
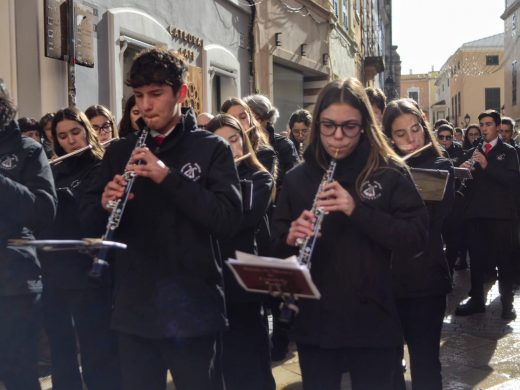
72	307
372	210
103	122
421	281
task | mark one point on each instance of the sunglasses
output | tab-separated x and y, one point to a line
445	137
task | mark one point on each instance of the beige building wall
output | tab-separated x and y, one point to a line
420	86
295	30
512	59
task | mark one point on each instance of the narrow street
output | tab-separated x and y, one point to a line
477	352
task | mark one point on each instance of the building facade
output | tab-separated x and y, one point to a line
471	80
213	39
511	58
285	49
421	88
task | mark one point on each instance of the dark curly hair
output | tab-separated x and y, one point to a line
157	66
7	107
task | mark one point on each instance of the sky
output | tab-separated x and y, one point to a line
428	32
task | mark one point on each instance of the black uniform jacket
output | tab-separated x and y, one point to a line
285	151
27	204
69	269
168	282
456	154
491	193
427	274
351	260
244	240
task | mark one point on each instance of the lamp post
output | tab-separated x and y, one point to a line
467	118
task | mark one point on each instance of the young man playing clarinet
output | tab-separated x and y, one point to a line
491	211
168	305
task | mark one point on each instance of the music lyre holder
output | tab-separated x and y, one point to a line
85	245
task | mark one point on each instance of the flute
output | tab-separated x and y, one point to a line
241	158
74	153
415	153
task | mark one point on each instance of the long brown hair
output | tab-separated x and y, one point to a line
350	91
400	107
98	109
222	120
73	114
255	133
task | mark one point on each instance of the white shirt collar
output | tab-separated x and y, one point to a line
493	143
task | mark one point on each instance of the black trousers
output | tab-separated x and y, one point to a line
82	315
490	245
246	354
191	361
19	329
421	320
369	368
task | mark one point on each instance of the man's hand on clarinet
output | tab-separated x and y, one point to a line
150	166
113	191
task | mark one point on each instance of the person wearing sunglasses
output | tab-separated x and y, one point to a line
103	122
445	136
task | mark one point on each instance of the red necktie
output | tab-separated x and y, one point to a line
488	148
159	139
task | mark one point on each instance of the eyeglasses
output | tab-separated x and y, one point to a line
349	129
300	132
104	128
445	137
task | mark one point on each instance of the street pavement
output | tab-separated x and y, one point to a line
481	351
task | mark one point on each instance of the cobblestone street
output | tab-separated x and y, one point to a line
481	351
477	352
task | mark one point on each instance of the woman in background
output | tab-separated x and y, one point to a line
246	360
103	122
73	308
128	123
421	282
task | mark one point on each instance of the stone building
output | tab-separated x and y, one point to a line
471	80
511	58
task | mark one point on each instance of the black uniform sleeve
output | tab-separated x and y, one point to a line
287	157
217	206
509	175
92	215
31	202
282	219
404	226
262	187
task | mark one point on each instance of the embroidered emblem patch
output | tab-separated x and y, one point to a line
192	171
371	190
9	162
501	156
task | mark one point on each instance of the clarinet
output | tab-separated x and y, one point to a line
289	309
117	208
463	187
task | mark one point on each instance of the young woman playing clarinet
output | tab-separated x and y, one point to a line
421	282
246	361
373	209
74	309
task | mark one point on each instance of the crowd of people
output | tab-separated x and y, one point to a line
207	185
